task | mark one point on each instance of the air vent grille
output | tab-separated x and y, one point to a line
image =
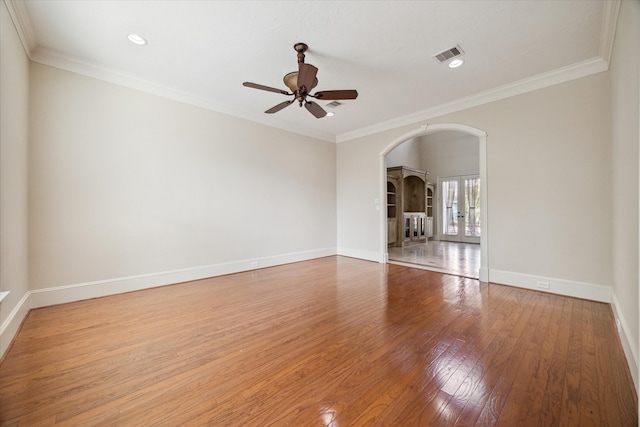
334	104
448	54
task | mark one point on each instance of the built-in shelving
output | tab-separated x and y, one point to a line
391	200
407	203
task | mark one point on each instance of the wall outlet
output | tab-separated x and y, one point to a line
255	264
543	285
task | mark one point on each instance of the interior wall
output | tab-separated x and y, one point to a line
548	158
407	154
625	112
442	154
449	153
124	183
14	119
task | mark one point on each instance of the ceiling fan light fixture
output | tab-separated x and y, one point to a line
291	81
136	39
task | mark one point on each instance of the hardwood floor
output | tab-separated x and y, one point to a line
459	259
333	341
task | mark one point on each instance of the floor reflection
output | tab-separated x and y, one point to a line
460	259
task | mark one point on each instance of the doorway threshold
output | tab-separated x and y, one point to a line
457	259
434	269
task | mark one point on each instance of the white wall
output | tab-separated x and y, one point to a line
124	183
407	154
625	111
449	153
442	154
14	115
549	174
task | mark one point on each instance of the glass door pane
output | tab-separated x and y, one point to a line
472	223
407	227
450	207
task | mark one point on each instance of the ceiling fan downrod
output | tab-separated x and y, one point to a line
301	48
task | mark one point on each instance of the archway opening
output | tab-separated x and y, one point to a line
481	137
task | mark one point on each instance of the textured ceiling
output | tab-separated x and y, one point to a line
201	51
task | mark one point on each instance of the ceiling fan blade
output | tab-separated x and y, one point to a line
307	76
279	107
315	109
267	88
333	95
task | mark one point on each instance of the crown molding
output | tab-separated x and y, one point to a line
561	75
599	64
611	8
20	17
56	60
22	22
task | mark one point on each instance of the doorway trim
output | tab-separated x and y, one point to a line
484	211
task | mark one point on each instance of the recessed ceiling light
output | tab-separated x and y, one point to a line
330	114
136	39
456	63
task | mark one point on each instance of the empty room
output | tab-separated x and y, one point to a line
336	213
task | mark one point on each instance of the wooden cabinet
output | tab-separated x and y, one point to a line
415	227
392	220
408	204
430	209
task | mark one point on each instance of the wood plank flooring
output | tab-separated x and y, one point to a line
330	342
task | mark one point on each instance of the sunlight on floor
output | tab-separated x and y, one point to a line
460	259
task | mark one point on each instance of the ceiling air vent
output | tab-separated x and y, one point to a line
334	104
448	54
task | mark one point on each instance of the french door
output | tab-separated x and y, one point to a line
460	209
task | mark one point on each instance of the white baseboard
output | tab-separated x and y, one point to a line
571	288
76	292
80	291
483	274
630	349
360	254
12	323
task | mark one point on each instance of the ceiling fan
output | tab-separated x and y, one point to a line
301	83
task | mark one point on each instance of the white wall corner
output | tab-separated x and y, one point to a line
611	8
630	348
569	288
22	22
11	324
583	290
483	274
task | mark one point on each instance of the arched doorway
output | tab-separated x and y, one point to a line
425	130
